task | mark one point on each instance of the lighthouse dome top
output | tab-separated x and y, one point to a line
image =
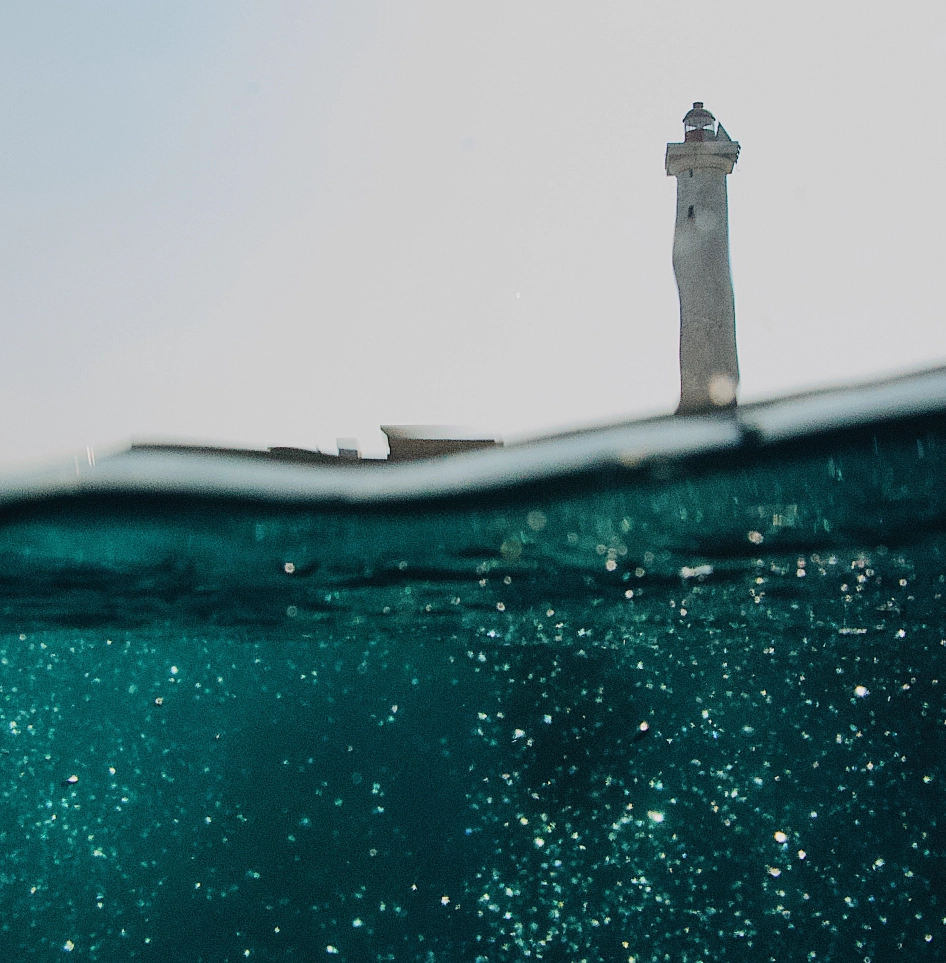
699	124
706	145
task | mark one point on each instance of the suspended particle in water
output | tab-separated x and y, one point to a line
860	691
780	837
536	520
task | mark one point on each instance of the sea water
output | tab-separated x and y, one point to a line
688	713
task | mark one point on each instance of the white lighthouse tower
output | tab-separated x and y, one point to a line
709	368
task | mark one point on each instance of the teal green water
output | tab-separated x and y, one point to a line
693	713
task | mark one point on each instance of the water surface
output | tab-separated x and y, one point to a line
692	711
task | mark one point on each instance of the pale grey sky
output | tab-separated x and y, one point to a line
277	223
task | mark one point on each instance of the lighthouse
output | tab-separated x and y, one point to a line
709	368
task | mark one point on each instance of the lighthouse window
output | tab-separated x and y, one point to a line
690	211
